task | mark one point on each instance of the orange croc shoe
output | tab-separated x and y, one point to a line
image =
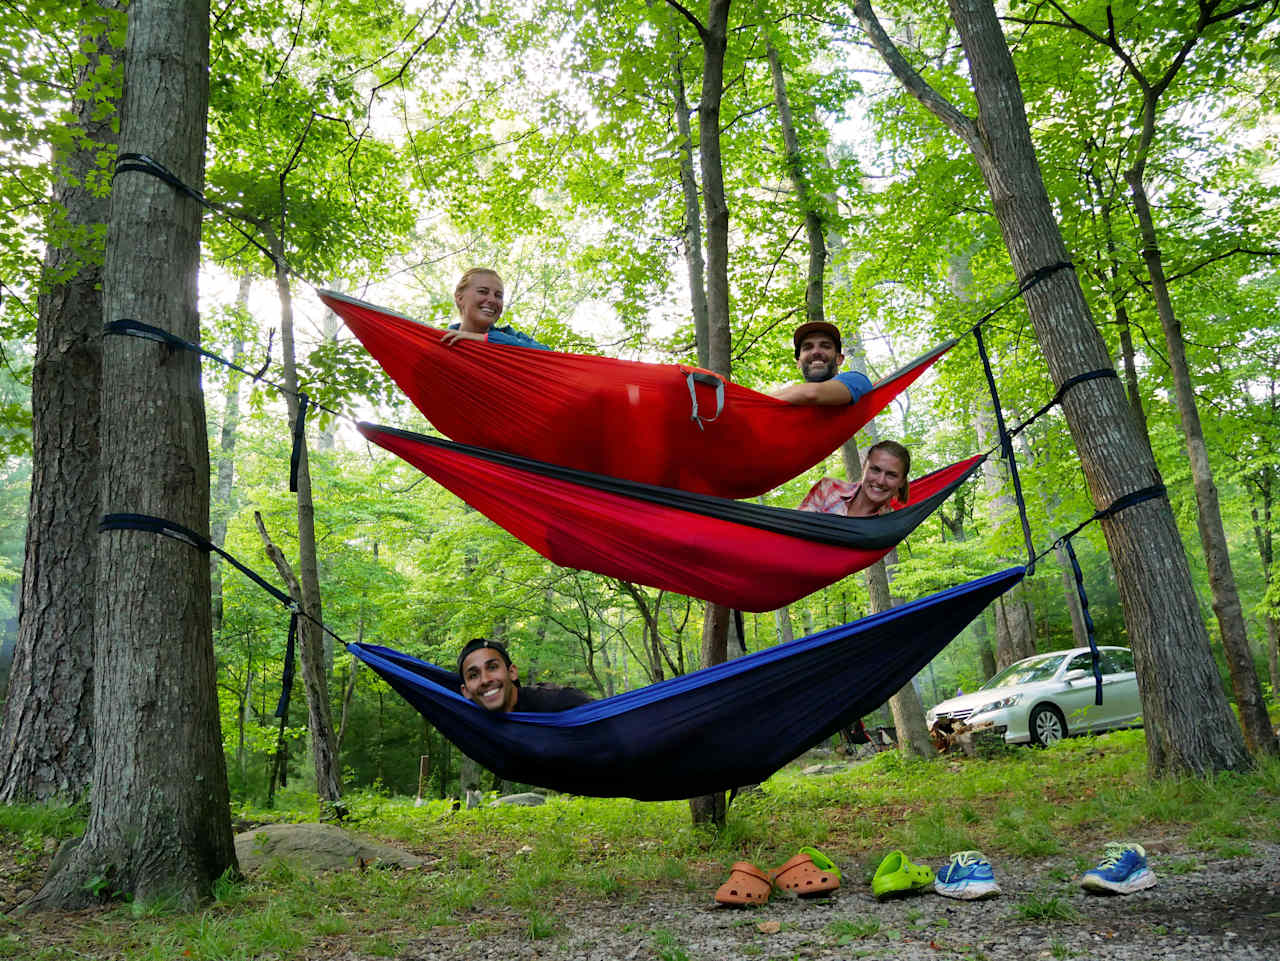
747	884
809	872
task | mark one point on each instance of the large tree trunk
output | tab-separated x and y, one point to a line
1189	726
311	639
159	821
1258	735
46	749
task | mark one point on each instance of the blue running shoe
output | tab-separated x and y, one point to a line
1123	870
967	876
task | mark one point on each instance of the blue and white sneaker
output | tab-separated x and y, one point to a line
1123	870
967	876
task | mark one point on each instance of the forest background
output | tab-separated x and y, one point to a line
383	150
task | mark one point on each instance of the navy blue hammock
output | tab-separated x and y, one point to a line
712	730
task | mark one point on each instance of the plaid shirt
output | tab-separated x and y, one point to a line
830	496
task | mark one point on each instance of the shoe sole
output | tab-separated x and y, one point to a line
1136	882
968	890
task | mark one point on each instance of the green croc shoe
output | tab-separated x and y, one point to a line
896	875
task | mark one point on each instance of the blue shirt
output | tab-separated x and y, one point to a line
858	383
508	336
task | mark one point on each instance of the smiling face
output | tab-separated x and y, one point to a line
882	478
489	680
479	301
819	358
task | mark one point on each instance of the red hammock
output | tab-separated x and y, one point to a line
619	418
742	555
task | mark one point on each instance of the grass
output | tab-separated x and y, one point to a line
502	870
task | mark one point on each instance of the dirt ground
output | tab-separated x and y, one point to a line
1203	907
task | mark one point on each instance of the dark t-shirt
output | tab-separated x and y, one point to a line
547	698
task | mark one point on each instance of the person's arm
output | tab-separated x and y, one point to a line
843	388
510	337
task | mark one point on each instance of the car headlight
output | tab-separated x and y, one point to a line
1004	702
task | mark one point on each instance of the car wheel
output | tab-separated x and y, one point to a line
1047	725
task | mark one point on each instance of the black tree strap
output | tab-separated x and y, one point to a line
1060	393
135	328
286	676
1039	275
1006	447
299	432
158	525
1088	621
142	163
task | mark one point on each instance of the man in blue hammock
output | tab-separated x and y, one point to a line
818	356
489	679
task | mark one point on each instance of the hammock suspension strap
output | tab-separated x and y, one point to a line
136	328
145	164
1006	448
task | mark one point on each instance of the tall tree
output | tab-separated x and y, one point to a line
1153	78
1190	728
159	822
45	741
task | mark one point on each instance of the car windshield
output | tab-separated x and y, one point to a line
1024	672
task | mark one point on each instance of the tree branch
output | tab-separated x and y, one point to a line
955	119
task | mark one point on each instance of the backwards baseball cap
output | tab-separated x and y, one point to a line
479	643
815	327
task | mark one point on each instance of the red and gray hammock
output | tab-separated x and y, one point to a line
743	555
667	425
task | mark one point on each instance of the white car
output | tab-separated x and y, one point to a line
1044	698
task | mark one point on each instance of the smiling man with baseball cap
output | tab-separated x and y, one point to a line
818	358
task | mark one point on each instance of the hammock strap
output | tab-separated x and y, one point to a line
135	328
1088	620
143	163
299	438
158	525
711	380
1039	275
1006	447
286	676
1060	393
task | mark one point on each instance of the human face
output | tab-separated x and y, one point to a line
480	303
819	358
882	477
488	680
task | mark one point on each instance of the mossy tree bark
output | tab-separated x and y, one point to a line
46	748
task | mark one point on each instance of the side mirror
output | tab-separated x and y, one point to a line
1078	674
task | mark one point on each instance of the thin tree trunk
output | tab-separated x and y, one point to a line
813	220
46	748
1258	734
715	40
159	822
692	212
1189	726
222	508
312	642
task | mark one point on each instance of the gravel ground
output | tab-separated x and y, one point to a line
1200	908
